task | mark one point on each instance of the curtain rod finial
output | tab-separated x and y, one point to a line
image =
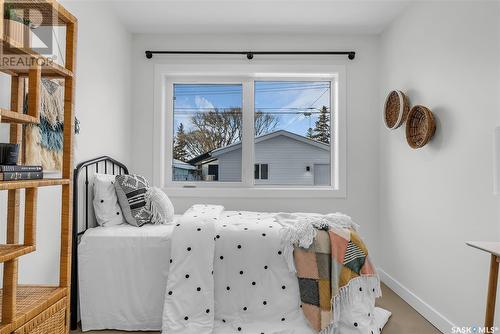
149	54
351	55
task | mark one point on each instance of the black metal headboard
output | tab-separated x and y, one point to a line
82	185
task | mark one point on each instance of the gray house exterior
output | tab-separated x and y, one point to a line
182	171
281	158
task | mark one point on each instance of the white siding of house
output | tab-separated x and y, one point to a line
287	159
230	166
322	175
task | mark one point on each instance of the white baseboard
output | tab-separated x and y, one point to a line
427	311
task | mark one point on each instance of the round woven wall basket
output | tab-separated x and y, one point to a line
420	126
396	110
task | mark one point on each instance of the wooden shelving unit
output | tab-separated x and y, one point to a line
9	251
37	309
30	301
49	69
9	185
7	116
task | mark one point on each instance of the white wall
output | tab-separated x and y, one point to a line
362	96
102	106
445	55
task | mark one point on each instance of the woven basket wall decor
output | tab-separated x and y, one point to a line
396	109
420	126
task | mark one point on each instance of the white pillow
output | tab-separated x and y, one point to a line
106	207
162	209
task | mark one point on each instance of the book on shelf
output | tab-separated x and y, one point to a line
14	176
20	168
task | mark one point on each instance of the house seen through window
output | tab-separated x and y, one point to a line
291	124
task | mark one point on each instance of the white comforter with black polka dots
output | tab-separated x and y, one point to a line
228	275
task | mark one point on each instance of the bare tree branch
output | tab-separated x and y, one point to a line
219	128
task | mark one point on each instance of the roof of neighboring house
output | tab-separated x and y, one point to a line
201	158
182	165
268	136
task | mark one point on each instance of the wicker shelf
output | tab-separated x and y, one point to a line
8	185
48	12
36	309
8	116
31	301
9	252
49	69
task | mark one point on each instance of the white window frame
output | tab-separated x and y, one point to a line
227	72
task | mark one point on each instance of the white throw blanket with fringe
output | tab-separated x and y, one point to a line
299	229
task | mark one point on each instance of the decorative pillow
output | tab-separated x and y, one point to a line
131	190
106	208
161	208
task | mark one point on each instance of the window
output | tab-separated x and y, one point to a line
243	129
264	171
261	171
207	121
293	131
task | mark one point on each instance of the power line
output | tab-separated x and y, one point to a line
231	91
238	89
270	84
267	113
239	108
319	97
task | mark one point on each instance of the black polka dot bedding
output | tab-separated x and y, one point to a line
228	274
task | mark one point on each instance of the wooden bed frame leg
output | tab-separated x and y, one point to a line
492	293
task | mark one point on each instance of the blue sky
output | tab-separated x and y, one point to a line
294	103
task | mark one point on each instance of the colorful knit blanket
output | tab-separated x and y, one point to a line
331	262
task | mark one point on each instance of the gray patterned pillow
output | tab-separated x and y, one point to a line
131	190
162	210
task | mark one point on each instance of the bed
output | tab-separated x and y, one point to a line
121	272
83	215
112	255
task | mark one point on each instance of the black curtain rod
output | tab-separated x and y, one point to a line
250	54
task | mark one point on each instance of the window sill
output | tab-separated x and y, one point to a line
257	192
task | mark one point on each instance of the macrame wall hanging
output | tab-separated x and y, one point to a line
44	142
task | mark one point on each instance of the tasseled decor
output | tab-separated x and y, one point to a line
44	142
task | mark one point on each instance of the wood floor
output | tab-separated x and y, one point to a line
404	318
